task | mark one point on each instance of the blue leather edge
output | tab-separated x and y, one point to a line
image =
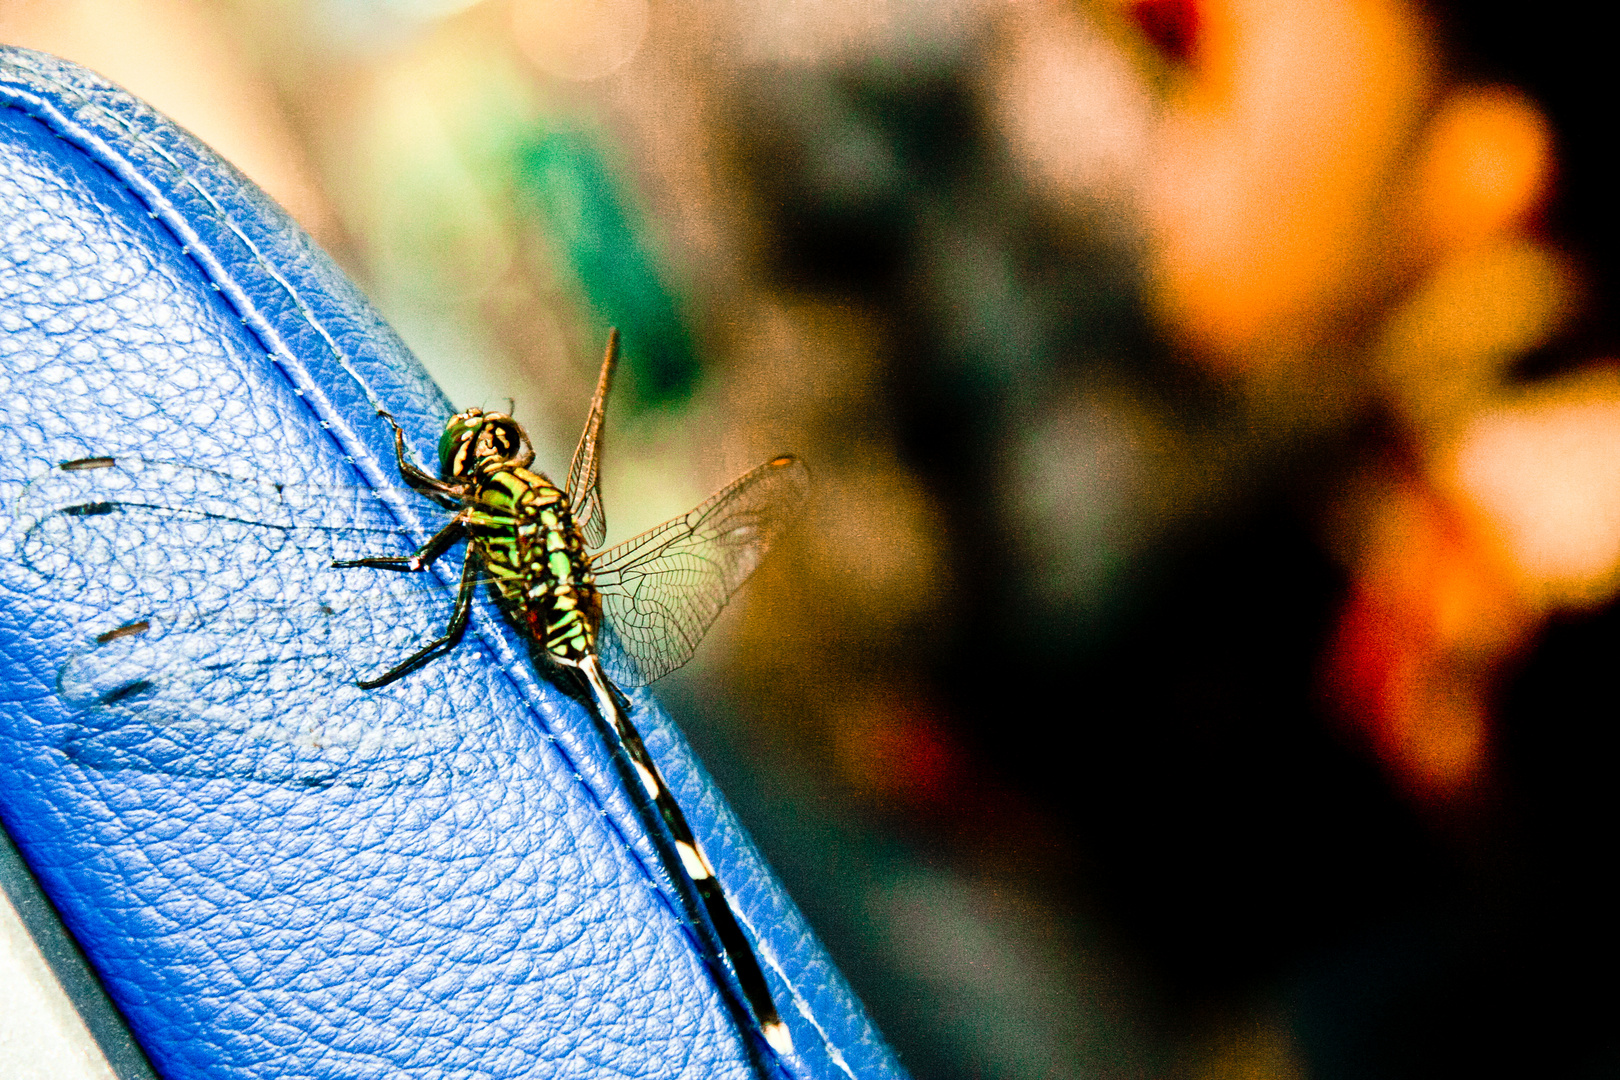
325	340
69	967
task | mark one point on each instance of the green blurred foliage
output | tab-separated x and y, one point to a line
587	214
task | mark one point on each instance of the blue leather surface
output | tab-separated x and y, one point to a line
275	873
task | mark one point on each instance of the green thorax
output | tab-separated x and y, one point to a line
522	528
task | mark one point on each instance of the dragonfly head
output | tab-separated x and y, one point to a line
476	439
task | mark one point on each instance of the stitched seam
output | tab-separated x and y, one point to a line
804	1007
193	244
288	362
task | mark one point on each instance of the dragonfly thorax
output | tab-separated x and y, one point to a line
523	528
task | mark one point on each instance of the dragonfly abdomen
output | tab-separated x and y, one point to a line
524	531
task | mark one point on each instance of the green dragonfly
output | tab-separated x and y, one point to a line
232	647
662	590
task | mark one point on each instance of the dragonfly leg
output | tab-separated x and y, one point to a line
439	645
420	559
413	476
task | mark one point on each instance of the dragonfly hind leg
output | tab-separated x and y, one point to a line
441	644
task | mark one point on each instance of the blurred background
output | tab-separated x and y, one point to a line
1192	663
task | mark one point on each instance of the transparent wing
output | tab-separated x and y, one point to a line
584	491
89	519
105	528
257	691
663	590
211	634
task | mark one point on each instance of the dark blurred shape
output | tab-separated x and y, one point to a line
884	185
1513	975
1172	26
1232	833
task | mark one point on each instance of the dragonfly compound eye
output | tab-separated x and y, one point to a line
501	438
457	447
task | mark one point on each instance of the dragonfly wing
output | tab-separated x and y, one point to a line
584	489
99	516
263	692
663	590
217	637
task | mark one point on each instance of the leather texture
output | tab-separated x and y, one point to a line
275	873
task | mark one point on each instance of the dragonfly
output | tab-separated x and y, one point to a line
662	590
530	541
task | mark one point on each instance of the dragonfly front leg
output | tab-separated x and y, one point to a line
422	558
442	644
413	476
